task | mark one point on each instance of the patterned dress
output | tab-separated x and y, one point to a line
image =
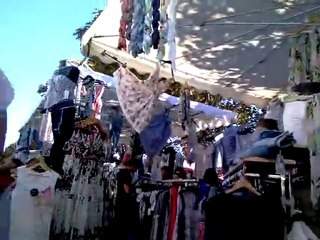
78	212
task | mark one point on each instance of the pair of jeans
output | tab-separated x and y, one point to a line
63	119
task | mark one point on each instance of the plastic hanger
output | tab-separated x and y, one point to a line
92	121
243	183
38	163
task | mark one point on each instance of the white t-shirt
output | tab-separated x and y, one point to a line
31	216
203	160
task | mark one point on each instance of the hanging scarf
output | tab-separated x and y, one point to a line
163	30
138	98
128	19
137	34
125	24
97	103
184	107
122	43
147	41
155	23
172	32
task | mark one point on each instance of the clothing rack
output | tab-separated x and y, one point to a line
185	182
284	175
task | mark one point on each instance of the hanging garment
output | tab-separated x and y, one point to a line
116	128
129	16
171	35
184	108
97	102
304	72
275	111
62	86
187	219
88	98
138	98
62	118
163	32
32	204
174	191
154	136
28	140
147	41
137	31
125	24
78	212
314	146
155	23
192	142
162	210
294	119
315	54
203	160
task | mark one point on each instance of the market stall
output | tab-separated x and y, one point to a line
139	154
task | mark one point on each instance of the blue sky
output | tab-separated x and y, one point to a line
35	35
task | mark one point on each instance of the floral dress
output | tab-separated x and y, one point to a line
78	212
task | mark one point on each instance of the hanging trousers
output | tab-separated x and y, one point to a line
63	119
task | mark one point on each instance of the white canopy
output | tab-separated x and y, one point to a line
236	48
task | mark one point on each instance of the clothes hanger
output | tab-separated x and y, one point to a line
92	122
243	183
38	164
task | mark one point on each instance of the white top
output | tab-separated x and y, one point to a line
60	88
31	216
6	91
203	160
295	120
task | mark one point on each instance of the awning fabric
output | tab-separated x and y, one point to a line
231	56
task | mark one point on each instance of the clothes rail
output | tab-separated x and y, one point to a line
170	181
232	179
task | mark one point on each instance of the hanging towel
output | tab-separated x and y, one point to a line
154	137
137	33
137	98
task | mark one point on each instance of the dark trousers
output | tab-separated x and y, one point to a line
62	117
